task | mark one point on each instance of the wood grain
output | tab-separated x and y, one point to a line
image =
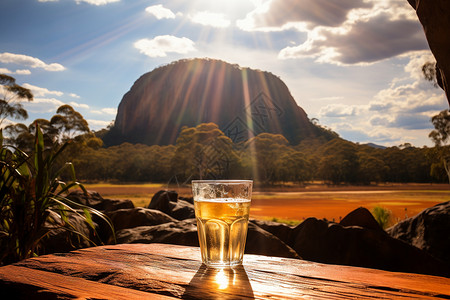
146	271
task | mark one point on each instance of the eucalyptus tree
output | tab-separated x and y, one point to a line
11	95
441	138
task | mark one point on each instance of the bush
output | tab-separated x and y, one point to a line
32	199
382	215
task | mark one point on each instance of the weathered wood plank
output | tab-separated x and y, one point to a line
176	271
24	283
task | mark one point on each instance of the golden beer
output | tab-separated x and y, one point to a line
222	213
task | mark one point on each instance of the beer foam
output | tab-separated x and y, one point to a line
223	200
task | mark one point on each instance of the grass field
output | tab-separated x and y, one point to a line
298	203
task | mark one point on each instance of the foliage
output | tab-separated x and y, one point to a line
11	94
65	125
204	152
32	199
441	136
382	215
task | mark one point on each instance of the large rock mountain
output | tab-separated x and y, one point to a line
241	101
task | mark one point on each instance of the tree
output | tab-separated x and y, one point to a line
204	152
441	137
11	94
68	122
339	162
263	153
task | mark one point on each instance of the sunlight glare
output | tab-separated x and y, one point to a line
221	279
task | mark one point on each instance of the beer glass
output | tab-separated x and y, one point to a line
222	208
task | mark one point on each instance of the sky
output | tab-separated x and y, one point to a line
354	65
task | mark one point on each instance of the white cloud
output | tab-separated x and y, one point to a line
23	72
28	61
163	44
399	113
338	111
43	105
341	32
19	72
107	111
6	71
74	95
362	41
97	124
97	2
206	18
160	12
79	105
92	2
41	92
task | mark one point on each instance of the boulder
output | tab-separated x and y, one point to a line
139	216
177	232
434	15
280	230
361	217
183	210
94	200
179	94
60	239
429	231
187	199
169	203
161	201
332	243
262	242
184	232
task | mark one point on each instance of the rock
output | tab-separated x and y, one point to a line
262	242
161	201
429	231
435	18
178	233
139	216
164	100
183	210
361	217
168	202
184	232
187	199
94	200
280	230
60	239
331	243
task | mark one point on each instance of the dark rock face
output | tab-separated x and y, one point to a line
178	233
356	241
62	240
139	216
94	200
169	203
280	230
319	241
429	231
435	19
184	232
190	92
361	217
262	242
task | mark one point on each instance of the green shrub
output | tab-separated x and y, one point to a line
32	197
382	215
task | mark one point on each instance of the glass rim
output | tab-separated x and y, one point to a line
219	181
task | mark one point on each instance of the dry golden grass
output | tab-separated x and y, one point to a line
298	203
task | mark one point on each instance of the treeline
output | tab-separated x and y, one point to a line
205	152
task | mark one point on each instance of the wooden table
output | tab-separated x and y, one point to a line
159	271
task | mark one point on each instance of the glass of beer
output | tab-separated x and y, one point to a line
222	208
